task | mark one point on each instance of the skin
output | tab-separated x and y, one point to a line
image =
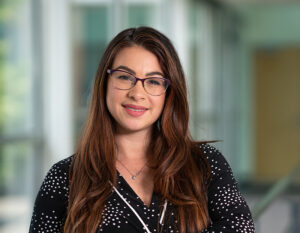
134	129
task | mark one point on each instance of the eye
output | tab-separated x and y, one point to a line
155	82
123	77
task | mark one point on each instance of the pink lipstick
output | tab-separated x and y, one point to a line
134	110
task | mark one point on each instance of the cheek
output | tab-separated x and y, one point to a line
110	98
160	103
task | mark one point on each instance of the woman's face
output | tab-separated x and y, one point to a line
134	110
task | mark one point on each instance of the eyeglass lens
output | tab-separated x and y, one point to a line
153	86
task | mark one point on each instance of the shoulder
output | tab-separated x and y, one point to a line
215	158
62	165
62	168
221	172
227	207
56	182
52	199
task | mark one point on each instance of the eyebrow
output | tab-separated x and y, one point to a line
132	71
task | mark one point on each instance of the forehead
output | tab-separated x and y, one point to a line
138	59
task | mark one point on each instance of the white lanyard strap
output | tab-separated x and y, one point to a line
133	210
136	214
163	212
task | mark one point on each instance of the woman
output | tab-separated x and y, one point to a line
136	168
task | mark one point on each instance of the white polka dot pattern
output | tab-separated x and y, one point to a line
52	200
228	210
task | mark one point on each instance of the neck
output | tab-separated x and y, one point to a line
132	146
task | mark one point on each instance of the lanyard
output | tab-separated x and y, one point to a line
136	214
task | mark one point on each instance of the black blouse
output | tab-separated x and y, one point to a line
227	208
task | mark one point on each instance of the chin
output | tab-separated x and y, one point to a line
134	129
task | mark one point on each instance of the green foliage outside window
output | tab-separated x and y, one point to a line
14	94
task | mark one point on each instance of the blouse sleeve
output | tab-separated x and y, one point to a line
228	210
52	200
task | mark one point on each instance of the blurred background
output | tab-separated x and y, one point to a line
242	63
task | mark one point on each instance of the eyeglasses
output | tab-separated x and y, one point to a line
124	80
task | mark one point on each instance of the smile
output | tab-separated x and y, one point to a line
135	111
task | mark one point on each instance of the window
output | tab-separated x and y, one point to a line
17	143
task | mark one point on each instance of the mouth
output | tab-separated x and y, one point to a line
134	110
135	107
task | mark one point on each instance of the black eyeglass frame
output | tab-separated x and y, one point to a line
168	82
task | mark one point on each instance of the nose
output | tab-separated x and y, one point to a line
138	91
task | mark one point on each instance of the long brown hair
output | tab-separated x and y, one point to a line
181	172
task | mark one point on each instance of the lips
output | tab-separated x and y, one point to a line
134	110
